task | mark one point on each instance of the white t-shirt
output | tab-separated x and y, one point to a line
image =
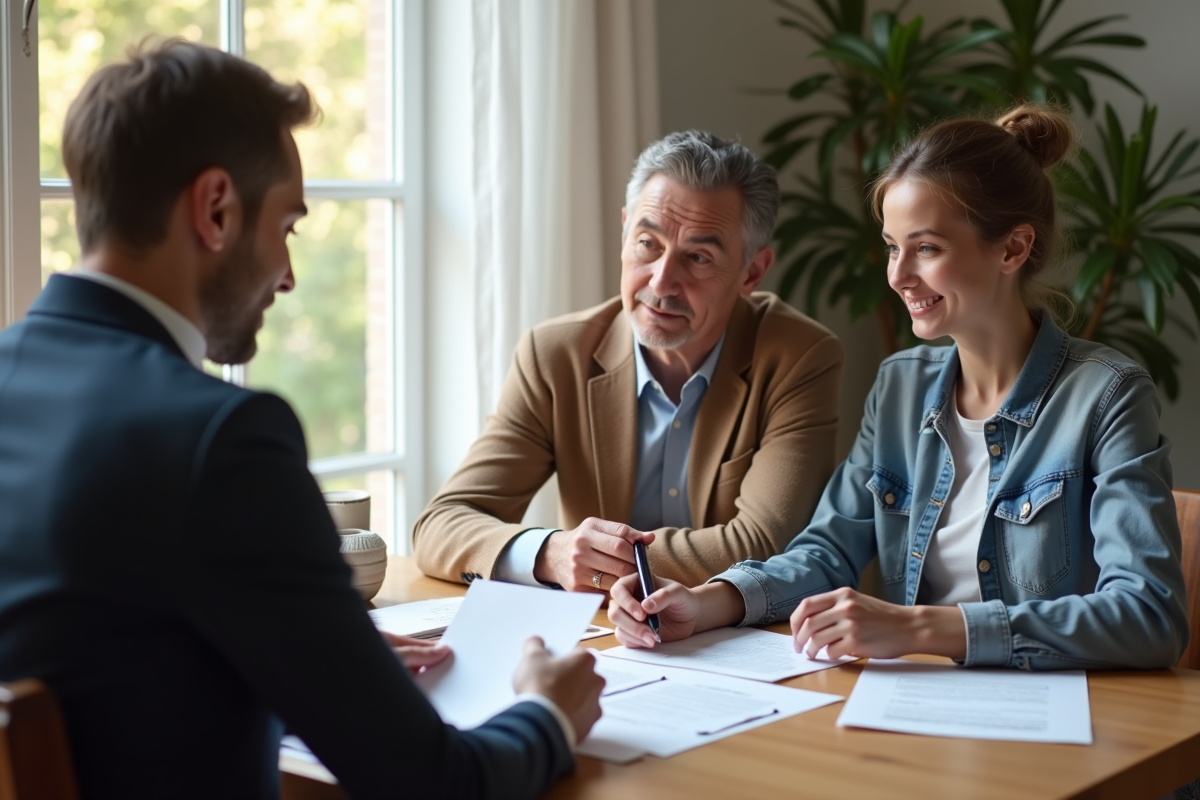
949	577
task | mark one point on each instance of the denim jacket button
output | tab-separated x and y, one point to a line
991	428
984	566
994	449
889	498
1025	509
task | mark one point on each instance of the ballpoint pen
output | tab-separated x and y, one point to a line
646	579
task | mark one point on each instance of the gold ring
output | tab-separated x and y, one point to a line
596	579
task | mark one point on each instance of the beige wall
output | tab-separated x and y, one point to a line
715	54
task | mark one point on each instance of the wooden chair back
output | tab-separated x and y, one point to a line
35	760
1187	508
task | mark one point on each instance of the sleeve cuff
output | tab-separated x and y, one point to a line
563	720
753	593
518	558
989	638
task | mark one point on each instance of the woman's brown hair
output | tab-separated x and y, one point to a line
996	173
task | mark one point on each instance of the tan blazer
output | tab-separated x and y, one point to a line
762	448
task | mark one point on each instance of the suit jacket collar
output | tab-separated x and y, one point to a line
612	420
720	410
88	301
612	415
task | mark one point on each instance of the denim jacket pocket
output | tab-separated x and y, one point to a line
1031	523
893	502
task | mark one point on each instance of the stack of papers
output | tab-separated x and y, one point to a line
427	619
424	619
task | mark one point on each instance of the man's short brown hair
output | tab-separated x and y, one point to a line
141	131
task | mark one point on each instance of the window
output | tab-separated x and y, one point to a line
342	347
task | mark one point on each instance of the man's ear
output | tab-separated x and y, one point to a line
756	270
216	209
1017	248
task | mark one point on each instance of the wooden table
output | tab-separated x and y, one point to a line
1146	727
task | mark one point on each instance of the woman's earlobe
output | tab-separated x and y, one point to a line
1017	247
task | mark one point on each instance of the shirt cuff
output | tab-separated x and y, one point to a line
518	558
989	638
563	720
753	593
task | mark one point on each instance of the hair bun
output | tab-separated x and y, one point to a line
1046	133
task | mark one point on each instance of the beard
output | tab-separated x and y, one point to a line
653	337
232	302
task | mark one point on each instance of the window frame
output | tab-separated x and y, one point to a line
22	191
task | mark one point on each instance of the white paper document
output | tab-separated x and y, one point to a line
741	652
424	619
486	639
946	700
427	619
664	710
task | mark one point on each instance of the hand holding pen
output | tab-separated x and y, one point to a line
674	607
646	583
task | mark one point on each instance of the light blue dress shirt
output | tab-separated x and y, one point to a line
660	496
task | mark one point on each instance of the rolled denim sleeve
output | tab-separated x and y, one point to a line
831	552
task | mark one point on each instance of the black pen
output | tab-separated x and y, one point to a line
647	580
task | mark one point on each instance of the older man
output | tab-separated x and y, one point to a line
691	413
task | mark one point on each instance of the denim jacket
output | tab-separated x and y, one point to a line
1079	556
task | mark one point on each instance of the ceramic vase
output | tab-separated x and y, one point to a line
366	553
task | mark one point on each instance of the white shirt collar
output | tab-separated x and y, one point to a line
186	335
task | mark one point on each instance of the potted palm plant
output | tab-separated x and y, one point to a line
887	77
1134	235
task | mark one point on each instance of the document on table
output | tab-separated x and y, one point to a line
664	710
945	700
487	637
424	619
427	619
741	652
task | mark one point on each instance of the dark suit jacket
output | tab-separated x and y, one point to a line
168	567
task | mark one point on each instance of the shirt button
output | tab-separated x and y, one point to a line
984	566
673	492
677	425
991	428
889	498
1025	509
994	449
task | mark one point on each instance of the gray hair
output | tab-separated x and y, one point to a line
699	160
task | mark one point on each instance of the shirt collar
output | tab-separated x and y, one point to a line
1045	358
186	335
707	367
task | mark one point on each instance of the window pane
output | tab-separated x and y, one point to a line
75	37
338	49
326	346
382	486
60	248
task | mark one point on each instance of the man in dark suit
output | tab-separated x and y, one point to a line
167	564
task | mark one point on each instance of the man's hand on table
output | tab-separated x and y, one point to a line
574	558
570	682
416	654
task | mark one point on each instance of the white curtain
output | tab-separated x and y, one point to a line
565	95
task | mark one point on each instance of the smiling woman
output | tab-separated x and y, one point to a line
1014	486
